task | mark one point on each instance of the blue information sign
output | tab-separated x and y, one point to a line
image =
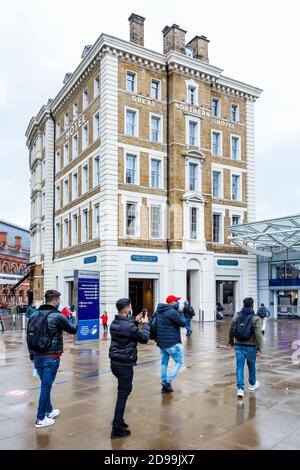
227	262
144	258
90	259
87	285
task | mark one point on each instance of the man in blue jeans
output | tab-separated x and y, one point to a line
168	339
245	336
47	363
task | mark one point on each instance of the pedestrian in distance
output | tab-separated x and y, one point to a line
245	336
45	344
188	313
31	309
125	334
166	324
263	314
104	319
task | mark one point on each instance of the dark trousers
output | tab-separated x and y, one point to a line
124	374
105	327
46	368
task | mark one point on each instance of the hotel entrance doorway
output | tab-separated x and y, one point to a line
141	293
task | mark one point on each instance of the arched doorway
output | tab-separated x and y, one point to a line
193	288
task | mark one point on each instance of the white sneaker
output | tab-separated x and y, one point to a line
54	413
252	388
42	423
240	393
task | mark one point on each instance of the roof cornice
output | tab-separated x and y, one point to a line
35	123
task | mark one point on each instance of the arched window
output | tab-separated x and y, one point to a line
5	268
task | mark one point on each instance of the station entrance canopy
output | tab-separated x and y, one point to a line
268	237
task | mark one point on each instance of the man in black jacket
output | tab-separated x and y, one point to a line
47	363
168	339
123	356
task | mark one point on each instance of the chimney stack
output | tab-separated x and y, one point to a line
3	240
18	244
174	39
136	29
200	46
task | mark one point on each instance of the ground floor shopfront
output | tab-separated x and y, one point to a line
148	277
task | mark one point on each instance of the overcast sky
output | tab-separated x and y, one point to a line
254	41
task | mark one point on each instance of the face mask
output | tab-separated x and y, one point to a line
130	314
57	306
177	305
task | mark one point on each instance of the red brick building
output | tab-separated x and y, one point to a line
14	258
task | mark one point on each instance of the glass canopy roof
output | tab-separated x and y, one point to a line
276	234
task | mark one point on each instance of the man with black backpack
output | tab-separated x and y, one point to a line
245	336
45	343
263	314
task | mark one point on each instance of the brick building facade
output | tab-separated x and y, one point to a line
14	257
137	167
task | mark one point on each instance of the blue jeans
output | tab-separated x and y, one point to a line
188	325
243	353
176	353
46	368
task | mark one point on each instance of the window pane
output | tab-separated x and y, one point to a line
215	108
193	177
216	184
131	169
155	129
216	228
130	219
235	187
155	173
155	89
235	147
193	133
130	81
155	220
216	143
130	122
193	223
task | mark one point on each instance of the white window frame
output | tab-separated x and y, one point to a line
134	82
221	234
83	233
137	156
152	205
96	179
85	126
96	86
66	158
233	136
159	89
66	233
66	195
221	192
57	236
96	223
96	135
238	112
192	206
240	193
161	179
85	99
187	136
84	189
74	239
212	143
192	83
219	107
160	133
126	108
74	138
57	196
58	161
74	194
138	214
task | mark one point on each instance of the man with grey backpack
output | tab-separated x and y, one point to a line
245	336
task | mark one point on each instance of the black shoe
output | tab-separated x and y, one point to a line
166	387
262	332
124	425
116	433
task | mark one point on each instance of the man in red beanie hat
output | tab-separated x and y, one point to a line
168	321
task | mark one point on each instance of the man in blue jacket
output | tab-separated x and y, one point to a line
125	335
168	339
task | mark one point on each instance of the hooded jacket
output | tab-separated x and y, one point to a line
255	339
169	322
57	323
124	338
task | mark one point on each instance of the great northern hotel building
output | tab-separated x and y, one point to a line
138	165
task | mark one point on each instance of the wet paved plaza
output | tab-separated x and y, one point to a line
202	413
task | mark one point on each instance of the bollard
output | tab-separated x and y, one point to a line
199	316
202	316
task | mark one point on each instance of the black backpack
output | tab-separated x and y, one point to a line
38	335
262	313
243	327
153	326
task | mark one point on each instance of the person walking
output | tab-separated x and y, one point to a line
104	319
45	343
188	313
125	335
31	309
245	336
263	314
169	319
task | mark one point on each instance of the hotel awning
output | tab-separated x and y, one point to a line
268	237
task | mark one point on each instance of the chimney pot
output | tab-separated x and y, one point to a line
3	240
18	243
200	46
136	29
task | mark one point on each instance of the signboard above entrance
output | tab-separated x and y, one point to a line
90	259
227	262
144	258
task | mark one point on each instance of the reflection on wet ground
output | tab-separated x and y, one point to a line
203	412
